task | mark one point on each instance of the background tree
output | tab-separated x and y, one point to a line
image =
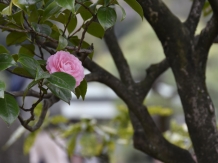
185	53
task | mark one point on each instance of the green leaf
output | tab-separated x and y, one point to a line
71	145
42	28
81	90
107	17
62	80
27	49
58	119
30	85
96	30
40	74
23	72
7	10
72	24
6	61
3	49
123	12
18	18
29	141
9	109
15	38
63	94
2	89
30	64
27	2
68	4
62	43
50	10
85	14
135	6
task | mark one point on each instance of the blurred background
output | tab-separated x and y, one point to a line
98	129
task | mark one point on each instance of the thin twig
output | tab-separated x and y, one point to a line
68	21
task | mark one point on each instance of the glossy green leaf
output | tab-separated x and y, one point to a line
62	80
62	43
30	64
15	38
27	49
40	74
22	72
68	4
9	109
63	94
50	10
72	24
6	61
85	14
3	49
96	30
2	89
135	6
42	28
107	17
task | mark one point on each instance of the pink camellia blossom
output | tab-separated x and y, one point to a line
63	61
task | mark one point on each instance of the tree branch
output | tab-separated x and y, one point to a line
29	93
152	73
214	6
157	145
46	105
163	21
118	57
194	16
205	40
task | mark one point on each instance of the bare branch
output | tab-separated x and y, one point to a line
144	126
31	93
208	35
194	16
152	73
118	57
214	6
47	104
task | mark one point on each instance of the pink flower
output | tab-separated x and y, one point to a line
63	61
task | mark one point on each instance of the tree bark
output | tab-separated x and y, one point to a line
187	59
